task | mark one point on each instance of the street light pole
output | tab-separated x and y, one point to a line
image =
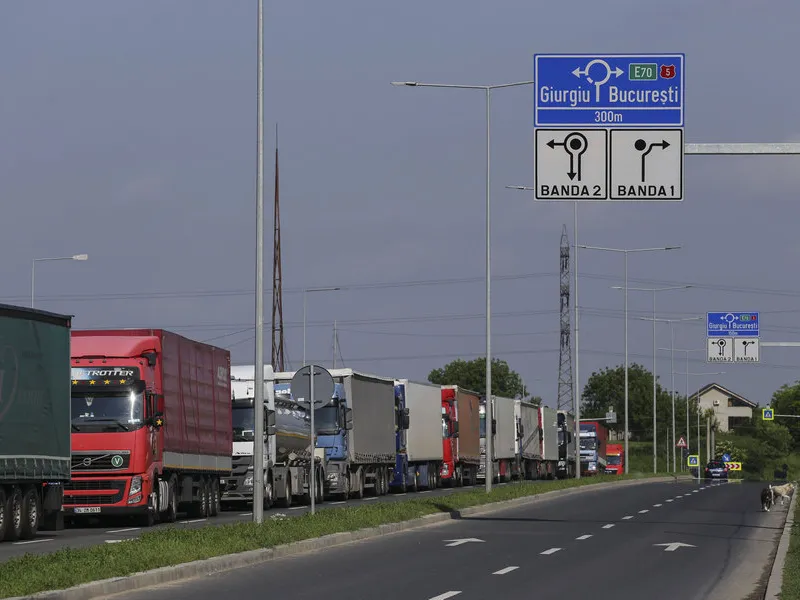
655	421
672	369
258	371
687	373
625	251
305	294
487	89
33	269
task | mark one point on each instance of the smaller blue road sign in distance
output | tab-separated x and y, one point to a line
608	90
744	324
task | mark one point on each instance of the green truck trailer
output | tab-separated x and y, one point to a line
35	420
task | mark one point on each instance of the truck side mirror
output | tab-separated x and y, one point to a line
269	422
348	418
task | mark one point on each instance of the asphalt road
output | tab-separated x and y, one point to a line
597	544
110	532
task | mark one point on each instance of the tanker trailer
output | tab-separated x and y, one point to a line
287	458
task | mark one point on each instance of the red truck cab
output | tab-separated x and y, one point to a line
151	425
615	459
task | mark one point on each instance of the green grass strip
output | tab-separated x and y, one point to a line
790	590
167	546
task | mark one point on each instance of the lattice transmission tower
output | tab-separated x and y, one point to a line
565	393
278	358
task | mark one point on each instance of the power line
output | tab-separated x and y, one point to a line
406	284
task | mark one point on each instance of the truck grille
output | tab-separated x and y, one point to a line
111	491
101	461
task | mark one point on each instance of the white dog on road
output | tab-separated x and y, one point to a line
782	491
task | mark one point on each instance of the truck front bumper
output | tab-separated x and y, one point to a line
237	489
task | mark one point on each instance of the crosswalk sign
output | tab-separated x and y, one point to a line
767	414
693	460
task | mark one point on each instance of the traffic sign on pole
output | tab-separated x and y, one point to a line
619	90
693	460
681	443
731	324
767	414
620	127
733	337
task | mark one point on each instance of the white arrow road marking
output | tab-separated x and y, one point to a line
462	541
504	571
550	551
585	536
445	596
609	526
672	546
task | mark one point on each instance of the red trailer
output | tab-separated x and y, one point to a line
151	425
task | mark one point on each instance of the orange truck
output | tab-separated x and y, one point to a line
615	456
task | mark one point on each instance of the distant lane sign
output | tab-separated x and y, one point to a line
745	349
604	90
767	414
743	324
693	460
720	349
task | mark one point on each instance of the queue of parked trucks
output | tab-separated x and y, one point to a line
159	424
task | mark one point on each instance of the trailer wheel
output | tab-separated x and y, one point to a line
359	491
13	510
287	501
216	503
171	515
31	511
4	517
404	481
206	498
414	482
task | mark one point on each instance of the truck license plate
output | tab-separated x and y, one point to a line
87	509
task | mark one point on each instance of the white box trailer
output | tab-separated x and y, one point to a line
504	448
528	447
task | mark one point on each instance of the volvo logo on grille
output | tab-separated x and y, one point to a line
87	461
116	461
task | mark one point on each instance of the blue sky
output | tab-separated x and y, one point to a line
127	131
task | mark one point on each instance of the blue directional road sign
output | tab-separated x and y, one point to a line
726	457
610	90
733	324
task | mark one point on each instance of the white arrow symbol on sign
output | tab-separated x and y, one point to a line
672	546
462	541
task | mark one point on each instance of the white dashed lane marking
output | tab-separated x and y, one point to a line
585	536
504	571
550	551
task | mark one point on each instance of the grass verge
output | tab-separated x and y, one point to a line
169	546
790	589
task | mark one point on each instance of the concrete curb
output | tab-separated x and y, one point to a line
776	575
172	574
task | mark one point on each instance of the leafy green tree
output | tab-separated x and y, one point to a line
472	376
606	389
786	401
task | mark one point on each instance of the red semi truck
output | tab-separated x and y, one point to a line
615	459
151	425
461	432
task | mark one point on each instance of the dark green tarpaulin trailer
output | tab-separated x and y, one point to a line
35	420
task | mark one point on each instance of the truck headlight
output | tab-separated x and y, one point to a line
248	482
136	485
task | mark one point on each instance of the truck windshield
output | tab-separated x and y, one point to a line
588	444
326	419
243	424
614	460
107	411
